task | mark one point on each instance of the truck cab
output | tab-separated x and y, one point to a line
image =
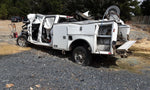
39	28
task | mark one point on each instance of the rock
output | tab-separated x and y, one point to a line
9	85
38	85
31	88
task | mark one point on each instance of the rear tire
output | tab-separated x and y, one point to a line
22	41
81	56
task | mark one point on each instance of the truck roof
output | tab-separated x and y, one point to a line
41	15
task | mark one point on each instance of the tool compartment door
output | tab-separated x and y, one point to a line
60	37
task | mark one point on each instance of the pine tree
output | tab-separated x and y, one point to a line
145	7
3	11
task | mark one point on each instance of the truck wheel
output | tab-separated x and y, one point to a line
22	41
82	56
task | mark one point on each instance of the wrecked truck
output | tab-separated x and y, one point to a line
82	38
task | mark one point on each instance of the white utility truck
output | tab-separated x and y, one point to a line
82	38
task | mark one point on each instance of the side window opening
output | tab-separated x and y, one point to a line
61	20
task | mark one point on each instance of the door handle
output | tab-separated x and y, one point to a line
64	37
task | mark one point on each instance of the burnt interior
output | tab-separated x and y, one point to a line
35	30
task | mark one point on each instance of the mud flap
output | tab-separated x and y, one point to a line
123	49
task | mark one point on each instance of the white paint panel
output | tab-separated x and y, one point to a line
124	30
114	31
82	29
73	29
60	37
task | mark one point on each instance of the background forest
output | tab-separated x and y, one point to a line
97	8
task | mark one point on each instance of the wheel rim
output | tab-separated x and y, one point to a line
21	42
79	57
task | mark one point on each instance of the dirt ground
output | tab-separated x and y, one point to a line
7	44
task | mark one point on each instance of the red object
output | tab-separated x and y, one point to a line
109	53
49	40
15	35
113	30
69	17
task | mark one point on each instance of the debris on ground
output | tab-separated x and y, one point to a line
9	85
38	85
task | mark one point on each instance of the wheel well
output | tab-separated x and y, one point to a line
25	33
80	42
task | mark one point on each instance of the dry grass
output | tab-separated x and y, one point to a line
132	64
141	45
7	49
141	48
138	60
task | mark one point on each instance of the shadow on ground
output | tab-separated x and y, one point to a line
104	61
98	60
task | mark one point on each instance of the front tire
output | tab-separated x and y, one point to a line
82	56
22	41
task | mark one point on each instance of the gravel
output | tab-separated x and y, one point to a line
137	35
27	69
